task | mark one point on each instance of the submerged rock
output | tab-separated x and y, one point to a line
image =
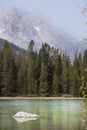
24	116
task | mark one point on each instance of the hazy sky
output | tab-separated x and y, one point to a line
66	14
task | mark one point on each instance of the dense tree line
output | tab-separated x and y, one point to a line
47	72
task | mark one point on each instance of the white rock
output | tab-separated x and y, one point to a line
24	116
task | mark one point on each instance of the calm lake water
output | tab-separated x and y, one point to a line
54	114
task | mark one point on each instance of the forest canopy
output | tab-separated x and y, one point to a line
47	72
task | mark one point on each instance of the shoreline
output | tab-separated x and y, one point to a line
37	98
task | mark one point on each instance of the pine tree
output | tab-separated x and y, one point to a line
37	71
74	81
44	80
57	73
8	80
1	66
83	85
76	76
45	76
65	74
31	83
21	74
85	59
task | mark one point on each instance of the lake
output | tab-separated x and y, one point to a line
55	114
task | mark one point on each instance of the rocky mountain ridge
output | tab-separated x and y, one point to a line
19	27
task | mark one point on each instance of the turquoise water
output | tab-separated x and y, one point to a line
54	114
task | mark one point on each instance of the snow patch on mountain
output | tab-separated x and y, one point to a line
3	30
37	28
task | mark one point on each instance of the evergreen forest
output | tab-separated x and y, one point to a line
46	72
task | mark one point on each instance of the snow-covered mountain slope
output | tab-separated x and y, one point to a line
20	27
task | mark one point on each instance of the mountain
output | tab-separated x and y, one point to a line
15	48
19	27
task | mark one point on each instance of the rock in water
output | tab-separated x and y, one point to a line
24	116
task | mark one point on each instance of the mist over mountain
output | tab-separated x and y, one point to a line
19	27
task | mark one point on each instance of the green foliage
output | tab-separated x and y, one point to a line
75	75
1	67
21	74
8	67
57	72
83	89
43	80
44	73
65	74
31	82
